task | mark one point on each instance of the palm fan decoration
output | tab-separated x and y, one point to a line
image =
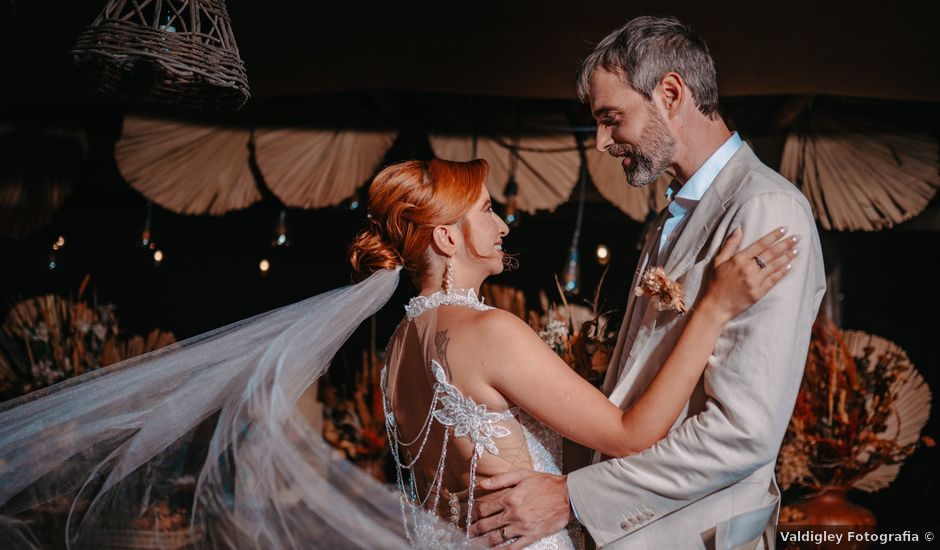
187	168
909	399
546	166
859	173
858	416
315	168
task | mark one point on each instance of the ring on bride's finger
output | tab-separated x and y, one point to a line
760	263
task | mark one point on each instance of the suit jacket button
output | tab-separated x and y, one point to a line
626	524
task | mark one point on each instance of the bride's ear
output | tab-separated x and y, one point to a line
444	239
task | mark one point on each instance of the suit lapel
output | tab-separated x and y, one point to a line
694	235
707	213
616	358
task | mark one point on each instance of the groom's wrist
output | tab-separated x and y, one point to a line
572	511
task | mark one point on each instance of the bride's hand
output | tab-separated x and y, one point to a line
740	280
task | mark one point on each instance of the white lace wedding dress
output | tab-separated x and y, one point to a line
441	450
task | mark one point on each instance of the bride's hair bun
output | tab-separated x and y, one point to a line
369	252
406	202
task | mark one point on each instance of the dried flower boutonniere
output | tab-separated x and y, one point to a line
665	294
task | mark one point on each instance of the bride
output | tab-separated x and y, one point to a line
201	444
471	391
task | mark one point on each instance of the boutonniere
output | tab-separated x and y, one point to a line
665	294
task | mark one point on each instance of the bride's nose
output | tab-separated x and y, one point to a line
503	228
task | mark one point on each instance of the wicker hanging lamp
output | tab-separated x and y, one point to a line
177	52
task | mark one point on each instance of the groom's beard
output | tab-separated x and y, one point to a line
648	164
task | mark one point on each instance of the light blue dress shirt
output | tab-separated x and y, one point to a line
689	194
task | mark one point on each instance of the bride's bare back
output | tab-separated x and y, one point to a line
440	337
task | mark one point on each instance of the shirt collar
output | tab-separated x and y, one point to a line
693	190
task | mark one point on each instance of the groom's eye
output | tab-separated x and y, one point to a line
608	121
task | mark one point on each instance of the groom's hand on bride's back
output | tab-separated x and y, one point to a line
523	505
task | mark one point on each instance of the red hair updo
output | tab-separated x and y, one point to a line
406	202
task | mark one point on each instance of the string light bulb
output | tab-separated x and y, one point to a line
280	235
146	240
264	266
512	201
603	254
572	276
157	257
572	271
52	263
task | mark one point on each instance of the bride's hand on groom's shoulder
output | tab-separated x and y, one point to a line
522	506
742	278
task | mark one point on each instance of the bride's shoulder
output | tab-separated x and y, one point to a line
496	325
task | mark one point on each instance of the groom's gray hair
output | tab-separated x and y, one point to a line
645	49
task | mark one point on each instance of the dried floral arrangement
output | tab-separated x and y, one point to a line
580	335
47	339
858	416
353	419
664	293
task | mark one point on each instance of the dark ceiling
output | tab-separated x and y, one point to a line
515	49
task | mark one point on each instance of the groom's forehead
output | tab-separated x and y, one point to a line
608	90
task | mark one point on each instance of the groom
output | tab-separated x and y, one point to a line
710	483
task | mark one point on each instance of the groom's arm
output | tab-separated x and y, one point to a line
752	381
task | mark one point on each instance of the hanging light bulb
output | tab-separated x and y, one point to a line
511	192
157	257
572	276
166	20
146	241
512	200
603	254
264	266
280	236
59	243
572	273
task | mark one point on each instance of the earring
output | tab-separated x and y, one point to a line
449	275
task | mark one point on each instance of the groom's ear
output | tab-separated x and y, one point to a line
444	239
672	92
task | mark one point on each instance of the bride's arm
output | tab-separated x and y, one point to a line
515	362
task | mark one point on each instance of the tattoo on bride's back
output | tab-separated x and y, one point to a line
440	346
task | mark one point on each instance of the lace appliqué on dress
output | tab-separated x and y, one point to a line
419	304
467	418
463	418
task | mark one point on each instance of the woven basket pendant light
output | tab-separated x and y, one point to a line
176	52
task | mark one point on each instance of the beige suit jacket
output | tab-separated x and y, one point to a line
709	483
